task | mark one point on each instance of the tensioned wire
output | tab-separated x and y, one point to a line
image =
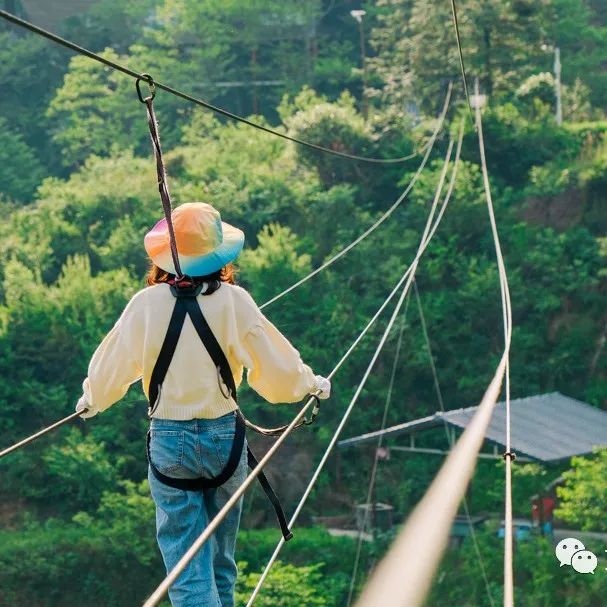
162	589
383	217
391	584
461	56
450	440
429	231
389	395
368	502
116	66
205	104
507	322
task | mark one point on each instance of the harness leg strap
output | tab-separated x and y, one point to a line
271	495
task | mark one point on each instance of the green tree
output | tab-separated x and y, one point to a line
582	497
286	586
20	169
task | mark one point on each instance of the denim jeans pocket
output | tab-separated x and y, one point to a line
167	450
223	440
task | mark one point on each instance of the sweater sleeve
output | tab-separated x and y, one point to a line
275	369
116	363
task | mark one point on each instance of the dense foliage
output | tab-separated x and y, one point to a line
77	191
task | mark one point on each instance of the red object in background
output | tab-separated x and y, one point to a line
548	503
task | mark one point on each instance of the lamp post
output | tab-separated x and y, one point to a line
358	15
557	81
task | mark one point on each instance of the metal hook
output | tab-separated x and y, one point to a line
221	385
151	85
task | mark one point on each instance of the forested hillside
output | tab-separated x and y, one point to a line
78	192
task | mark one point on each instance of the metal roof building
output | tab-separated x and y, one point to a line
547	428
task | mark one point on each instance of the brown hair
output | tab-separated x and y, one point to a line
157	275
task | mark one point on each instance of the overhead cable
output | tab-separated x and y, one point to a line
429	525
461	56
177	93
428	233
373	474
507	322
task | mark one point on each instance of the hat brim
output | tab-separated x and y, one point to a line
203	265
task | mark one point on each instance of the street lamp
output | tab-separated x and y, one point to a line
358	15
557	80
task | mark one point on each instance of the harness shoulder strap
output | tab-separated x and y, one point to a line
166	355
211	344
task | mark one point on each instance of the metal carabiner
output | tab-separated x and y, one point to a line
221	385
151	85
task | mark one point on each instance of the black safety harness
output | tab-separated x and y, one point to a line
185	294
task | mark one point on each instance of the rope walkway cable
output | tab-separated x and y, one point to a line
450	440
214	108
210	529
507	321
429	231
383	217
461	56
383	424
373	475
429	524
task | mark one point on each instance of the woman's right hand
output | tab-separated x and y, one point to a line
323	386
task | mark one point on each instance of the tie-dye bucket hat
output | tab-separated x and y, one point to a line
205	243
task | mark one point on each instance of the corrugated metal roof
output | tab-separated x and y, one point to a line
548	427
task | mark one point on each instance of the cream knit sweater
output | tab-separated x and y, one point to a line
191	389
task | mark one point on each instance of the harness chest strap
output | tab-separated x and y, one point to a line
186	304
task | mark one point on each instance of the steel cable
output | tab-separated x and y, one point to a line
205	104
429	231
391	584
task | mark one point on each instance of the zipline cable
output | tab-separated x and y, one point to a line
461	56
373	474
205	104
428	526
450	440
429	231
383	217
507	320
162	589
369	503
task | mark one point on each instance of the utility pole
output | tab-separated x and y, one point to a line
358	15
557	85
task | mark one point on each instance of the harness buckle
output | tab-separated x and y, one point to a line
186	288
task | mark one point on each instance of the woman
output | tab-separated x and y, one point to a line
194	416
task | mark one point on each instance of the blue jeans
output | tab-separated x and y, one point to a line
190	449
